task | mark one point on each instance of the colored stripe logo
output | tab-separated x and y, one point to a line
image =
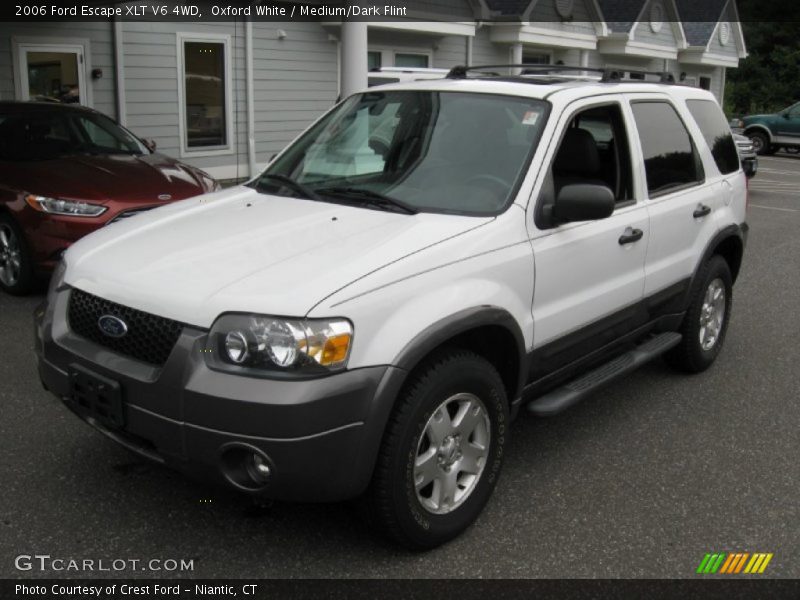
733	563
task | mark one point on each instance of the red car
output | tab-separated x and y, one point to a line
65	171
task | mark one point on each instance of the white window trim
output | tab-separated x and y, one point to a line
53	44
230	130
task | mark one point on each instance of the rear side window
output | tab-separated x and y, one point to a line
670	158
717	134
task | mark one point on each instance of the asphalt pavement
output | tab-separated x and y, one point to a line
642	480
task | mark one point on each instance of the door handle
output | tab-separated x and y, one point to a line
701	211
630	236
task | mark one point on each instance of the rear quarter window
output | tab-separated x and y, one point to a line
717	133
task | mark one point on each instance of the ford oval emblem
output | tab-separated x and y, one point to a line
165	197
112	326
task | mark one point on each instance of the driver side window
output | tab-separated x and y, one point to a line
594	150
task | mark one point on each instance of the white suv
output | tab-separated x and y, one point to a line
365	317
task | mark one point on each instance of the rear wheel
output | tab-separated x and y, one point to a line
16	268
442	451
706	320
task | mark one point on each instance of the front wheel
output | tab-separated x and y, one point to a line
442	451
16	268
706	320
761	143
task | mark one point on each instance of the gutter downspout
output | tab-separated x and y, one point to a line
119	73
250	93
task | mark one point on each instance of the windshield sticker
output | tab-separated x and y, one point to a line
530	117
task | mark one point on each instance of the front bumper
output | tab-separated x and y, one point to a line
320	437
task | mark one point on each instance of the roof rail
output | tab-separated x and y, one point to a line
460	72
607	74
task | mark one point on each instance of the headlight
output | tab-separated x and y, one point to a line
71	208
262	345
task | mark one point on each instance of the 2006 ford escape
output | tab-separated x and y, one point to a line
365	317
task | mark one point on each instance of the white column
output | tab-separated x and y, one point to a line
353	57
252	167
516	57
119	73
584	58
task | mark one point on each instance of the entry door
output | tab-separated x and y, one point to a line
52	72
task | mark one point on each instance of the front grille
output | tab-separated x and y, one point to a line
149	338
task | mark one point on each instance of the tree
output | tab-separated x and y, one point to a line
769	78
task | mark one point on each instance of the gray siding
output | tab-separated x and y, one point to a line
732	47
152	80
665	36
295	81
100	55
485	52
544	14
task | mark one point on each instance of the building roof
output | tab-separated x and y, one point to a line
509	8
621	15
700	19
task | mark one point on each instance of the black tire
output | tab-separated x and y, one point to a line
24	280
393	503
761	143
690	356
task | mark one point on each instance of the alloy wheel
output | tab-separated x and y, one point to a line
452	453
10	256
712	314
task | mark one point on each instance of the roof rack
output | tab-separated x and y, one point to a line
607	74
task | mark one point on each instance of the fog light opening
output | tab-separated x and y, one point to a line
246	467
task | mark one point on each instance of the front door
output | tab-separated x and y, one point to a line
52	73
788	126
589	275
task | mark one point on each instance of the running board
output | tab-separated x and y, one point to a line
576	390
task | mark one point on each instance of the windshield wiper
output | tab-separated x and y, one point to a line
370	197
307	192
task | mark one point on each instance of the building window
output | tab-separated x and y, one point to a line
205	102
536	58
374	60
411	61
705	83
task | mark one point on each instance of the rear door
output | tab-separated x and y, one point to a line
682	196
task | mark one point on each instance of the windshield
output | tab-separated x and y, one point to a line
450	152
42	135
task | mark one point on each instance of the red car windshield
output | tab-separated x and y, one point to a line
42	135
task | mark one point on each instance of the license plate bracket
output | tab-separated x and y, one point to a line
96	396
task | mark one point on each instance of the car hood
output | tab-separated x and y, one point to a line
119	177
238	250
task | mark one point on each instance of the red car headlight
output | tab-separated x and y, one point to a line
69	208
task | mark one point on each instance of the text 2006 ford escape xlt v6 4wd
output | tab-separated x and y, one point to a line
365	317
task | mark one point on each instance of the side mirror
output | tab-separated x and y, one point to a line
583	202
149	144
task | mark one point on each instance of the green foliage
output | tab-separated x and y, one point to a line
769	78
